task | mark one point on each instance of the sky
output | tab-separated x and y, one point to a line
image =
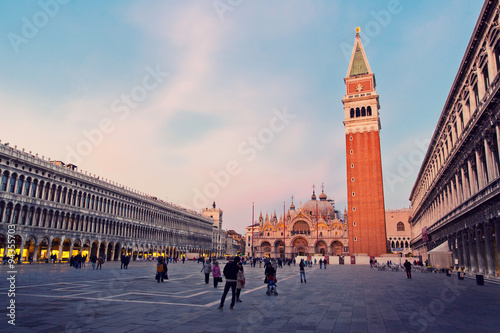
232	101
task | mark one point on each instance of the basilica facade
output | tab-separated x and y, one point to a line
314	228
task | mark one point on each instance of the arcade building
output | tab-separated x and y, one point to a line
50	208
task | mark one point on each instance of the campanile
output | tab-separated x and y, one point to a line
365	190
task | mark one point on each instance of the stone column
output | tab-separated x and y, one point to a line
35	254
479	251
456	256
71	249
490	165
105	254
498	143
21	249
460	250
488	245
480	172
59	255
472	251
465	185
472	180
497	236
459	190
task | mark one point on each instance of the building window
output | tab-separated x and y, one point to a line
486	76
352	113
353	209
352	179
268	234
476	95
4	182
355	238
352	151
352	193
354	223
401	226
369	110
12	183
350	138
352	165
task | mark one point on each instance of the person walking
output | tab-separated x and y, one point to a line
126	262
122	259
207	269
100	261
320	263
216	274
275	265
240	282
302	266
161	270
407	266
93	260
231	274
324	264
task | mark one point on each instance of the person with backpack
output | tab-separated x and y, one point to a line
161	270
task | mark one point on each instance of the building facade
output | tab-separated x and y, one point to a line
365	191
240	240
53	209
398	230
456	197
315	228
218	235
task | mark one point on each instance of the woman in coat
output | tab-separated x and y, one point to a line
216	273
207	269
240	282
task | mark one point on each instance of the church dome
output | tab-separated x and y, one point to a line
325	208
322	196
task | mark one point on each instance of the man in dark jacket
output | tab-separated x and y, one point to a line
407	266
230	273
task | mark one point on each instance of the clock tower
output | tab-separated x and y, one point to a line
365	190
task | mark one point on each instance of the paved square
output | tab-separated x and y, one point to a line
59	298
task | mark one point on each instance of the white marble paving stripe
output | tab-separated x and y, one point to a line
116	300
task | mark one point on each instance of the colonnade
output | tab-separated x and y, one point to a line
477	248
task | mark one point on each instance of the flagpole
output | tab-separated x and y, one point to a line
317	226
253	206
284	232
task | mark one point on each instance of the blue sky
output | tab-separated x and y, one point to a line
77	77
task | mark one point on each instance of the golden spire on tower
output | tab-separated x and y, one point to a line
358	29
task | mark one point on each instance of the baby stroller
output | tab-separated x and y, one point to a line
271	286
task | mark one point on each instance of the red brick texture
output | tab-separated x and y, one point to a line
364	180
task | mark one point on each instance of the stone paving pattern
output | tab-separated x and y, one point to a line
59	298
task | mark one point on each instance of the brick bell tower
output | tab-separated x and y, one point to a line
365	190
